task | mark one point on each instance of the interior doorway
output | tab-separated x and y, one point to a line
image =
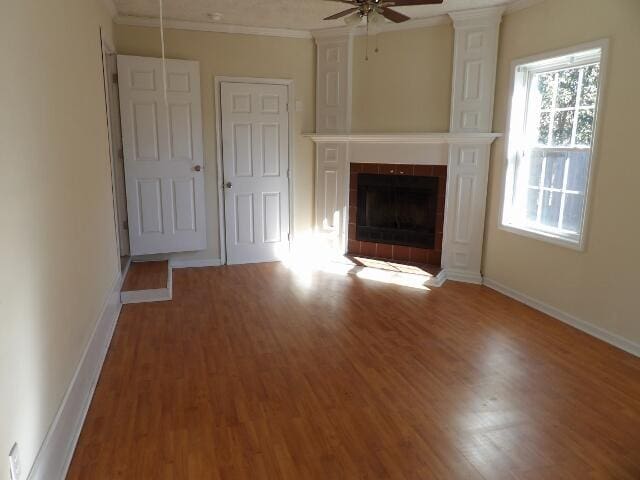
254	137
112	101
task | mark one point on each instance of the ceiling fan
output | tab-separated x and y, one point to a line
372	9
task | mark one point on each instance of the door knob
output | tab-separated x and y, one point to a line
197	168
228	185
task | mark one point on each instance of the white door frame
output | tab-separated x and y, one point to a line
107	49
218	81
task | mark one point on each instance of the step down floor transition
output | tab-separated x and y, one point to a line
147	282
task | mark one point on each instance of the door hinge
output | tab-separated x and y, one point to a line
125	224
114	78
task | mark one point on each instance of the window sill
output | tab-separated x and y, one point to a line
545	237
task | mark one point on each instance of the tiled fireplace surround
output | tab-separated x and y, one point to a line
397	252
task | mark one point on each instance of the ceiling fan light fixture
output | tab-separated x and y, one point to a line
376	19
353	19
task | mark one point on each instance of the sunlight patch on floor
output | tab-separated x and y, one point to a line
313	255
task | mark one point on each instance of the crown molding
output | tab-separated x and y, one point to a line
211	27
477	17
111	7
520	5
491	14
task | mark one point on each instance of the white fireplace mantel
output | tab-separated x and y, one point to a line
466	156
405	138
465	150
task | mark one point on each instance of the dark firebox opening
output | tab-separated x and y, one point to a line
397	210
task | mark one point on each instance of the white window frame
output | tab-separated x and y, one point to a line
521	71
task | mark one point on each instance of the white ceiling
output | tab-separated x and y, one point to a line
290	14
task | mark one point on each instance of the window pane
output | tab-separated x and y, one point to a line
545	88
562	127
567	87
554	169
578	171
543	128
585	127
532	204
590	85
535	168
573	206
550	209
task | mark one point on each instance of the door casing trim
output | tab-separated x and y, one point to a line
218	81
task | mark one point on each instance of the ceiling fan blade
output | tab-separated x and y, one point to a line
404	3
394	16
344	13
350	2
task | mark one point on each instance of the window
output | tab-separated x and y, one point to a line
550	145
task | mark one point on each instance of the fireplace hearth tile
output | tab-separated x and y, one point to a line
352	231
423	170
368	249
353	198
385	251
435	257
401	253
354	247
385	169
419	255
370	168
353	181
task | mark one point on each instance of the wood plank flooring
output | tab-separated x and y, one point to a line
146	276
254	372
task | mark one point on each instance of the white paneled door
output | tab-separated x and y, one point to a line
163	158
255	153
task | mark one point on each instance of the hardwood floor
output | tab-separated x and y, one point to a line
253	372
146	276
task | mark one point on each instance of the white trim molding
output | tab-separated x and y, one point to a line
211	27
334	82
197	263
582	325
54	457
406	138
475	58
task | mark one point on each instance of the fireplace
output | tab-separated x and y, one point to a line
396	212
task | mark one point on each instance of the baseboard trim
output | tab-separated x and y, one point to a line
205	262
589	328
438	280
462	276
56	452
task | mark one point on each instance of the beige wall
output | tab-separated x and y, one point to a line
58	257
244	56
406	86
598	285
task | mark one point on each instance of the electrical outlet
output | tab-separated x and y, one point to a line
14	463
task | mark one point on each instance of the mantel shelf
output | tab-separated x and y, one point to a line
407	138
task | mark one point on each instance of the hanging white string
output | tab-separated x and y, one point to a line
164	75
